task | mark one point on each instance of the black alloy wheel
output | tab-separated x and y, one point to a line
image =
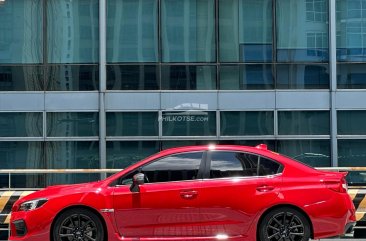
78	225
284	224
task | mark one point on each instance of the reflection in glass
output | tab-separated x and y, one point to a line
270	143
351	153
351	122
132	31
132	124
73	31
189	123
188	30
300	76
72	124
72	155
132	77
351	30
245	30
21	155
21	31
21	124
72	78
121	154
187	77
21	78
170	144
315	153
246	77
306	38
351	76
303	123
237	123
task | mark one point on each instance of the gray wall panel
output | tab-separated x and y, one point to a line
247	100
302	100
72	101
197	100
132	101
351	99
22	101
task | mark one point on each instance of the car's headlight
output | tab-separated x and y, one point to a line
33	204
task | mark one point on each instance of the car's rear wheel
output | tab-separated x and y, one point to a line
284	224
78	224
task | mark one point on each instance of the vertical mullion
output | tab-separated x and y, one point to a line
102	85
333	80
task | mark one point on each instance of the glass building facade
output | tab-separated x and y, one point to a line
105	83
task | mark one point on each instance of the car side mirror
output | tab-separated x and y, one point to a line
137	180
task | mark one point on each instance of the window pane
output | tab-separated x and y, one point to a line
170	144
246	77
72	154
132	31
189	123
306	38
351	30
21	155
21	124
17	78
351	76
300	76
186	77
133	77
233	164
245	30
21	31
121	154
72	124
351	153
188	30
270	143
237	123
73	31
351	122
174	168
303	123
72	78
268	167
315	153
132	124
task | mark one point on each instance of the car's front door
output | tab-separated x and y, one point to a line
234	190
167	204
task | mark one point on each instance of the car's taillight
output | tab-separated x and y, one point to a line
338	186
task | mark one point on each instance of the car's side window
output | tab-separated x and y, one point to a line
268	167
177	167
239	164
233	164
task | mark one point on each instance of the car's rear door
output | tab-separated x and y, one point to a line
167	205
233	191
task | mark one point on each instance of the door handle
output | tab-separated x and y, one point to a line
265	188
188	194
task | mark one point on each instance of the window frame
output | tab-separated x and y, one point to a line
209	160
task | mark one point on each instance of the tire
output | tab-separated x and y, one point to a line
78	224
284	224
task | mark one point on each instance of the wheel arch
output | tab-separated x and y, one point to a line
285	206
80	207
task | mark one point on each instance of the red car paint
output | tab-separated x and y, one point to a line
200	209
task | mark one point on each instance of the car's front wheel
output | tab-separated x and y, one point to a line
78	225
284	224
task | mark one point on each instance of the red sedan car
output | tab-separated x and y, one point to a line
193	193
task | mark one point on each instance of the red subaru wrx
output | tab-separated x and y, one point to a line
193	193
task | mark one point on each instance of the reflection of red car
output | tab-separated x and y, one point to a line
193	193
